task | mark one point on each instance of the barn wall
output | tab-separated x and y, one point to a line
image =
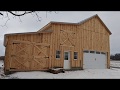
95	37
37	38
91	35
59	43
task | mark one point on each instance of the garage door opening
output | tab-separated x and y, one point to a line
94	60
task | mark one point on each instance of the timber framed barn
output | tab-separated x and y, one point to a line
81	45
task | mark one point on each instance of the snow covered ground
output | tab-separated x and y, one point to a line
115	63
112	73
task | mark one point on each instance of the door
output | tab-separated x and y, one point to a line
101	60
94	60
20	56
40	56
67	60
89	61
29	55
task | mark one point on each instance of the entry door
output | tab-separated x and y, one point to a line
67	60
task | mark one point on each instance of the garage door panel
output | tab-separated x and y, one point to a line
94	61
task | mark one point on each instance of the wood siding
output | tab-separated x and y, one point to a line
28	53
91	35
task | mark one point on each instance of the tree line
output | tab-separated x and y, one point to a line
2	57
115	56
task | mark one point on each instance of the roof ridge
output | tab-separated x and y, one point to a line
87	19
75	23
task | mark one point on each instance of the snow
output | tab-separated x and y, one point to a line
115	63
112	73
1	63
79	74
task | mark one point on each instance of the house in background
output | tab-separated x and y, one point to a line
83	45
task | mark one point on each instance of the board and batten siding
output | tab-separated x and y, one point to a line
91	35
24	37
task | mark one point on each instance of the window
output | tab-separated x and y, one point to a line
102	53
66	56
75	55
97	52
92	51
58	54
86	51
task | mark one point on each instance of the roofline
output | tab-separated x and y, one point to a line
44	27
63	23
79	23
54	22
8	34
20	33
104	25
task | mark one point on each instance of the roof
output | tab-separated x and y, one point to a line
9	34
79	23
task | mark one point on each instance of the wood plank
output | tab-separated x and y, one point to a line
53	51
21	63
21	70
27	42
67	31
50	54
46	31
80	46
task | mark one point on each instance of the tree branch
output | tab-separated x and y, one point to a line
38	16
20	14
1	14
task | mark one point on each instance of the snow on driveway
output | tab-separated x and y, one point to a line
79	74
113	73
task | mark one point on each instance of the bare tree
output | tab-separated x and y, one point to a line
19	14
15	13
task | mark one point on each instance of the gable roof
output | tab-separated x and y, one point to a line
81	22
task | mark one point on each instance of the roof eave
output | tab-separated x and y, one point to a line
43	28
104	25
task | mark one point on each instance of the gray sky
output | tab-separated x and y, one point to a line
30	23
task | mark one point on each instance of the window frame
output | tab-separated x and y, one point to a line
92	52
86	51
103	53
65	55
58	54
75	55
97	52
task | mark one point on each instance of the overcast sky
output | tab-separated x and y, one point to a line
29	23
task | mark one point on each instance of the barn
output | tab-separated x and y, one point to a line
82	45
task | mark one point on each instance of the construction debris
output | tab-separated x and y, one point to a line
56	70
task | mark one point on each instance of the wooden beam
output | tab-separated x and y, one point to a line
46	31
66	46
28	42
40	50
67	31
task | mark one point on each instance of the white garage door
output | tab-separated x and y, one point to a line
94	60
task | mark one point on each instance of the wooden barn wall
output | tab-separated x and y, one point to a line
91	35
38	38
57	38
94	37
